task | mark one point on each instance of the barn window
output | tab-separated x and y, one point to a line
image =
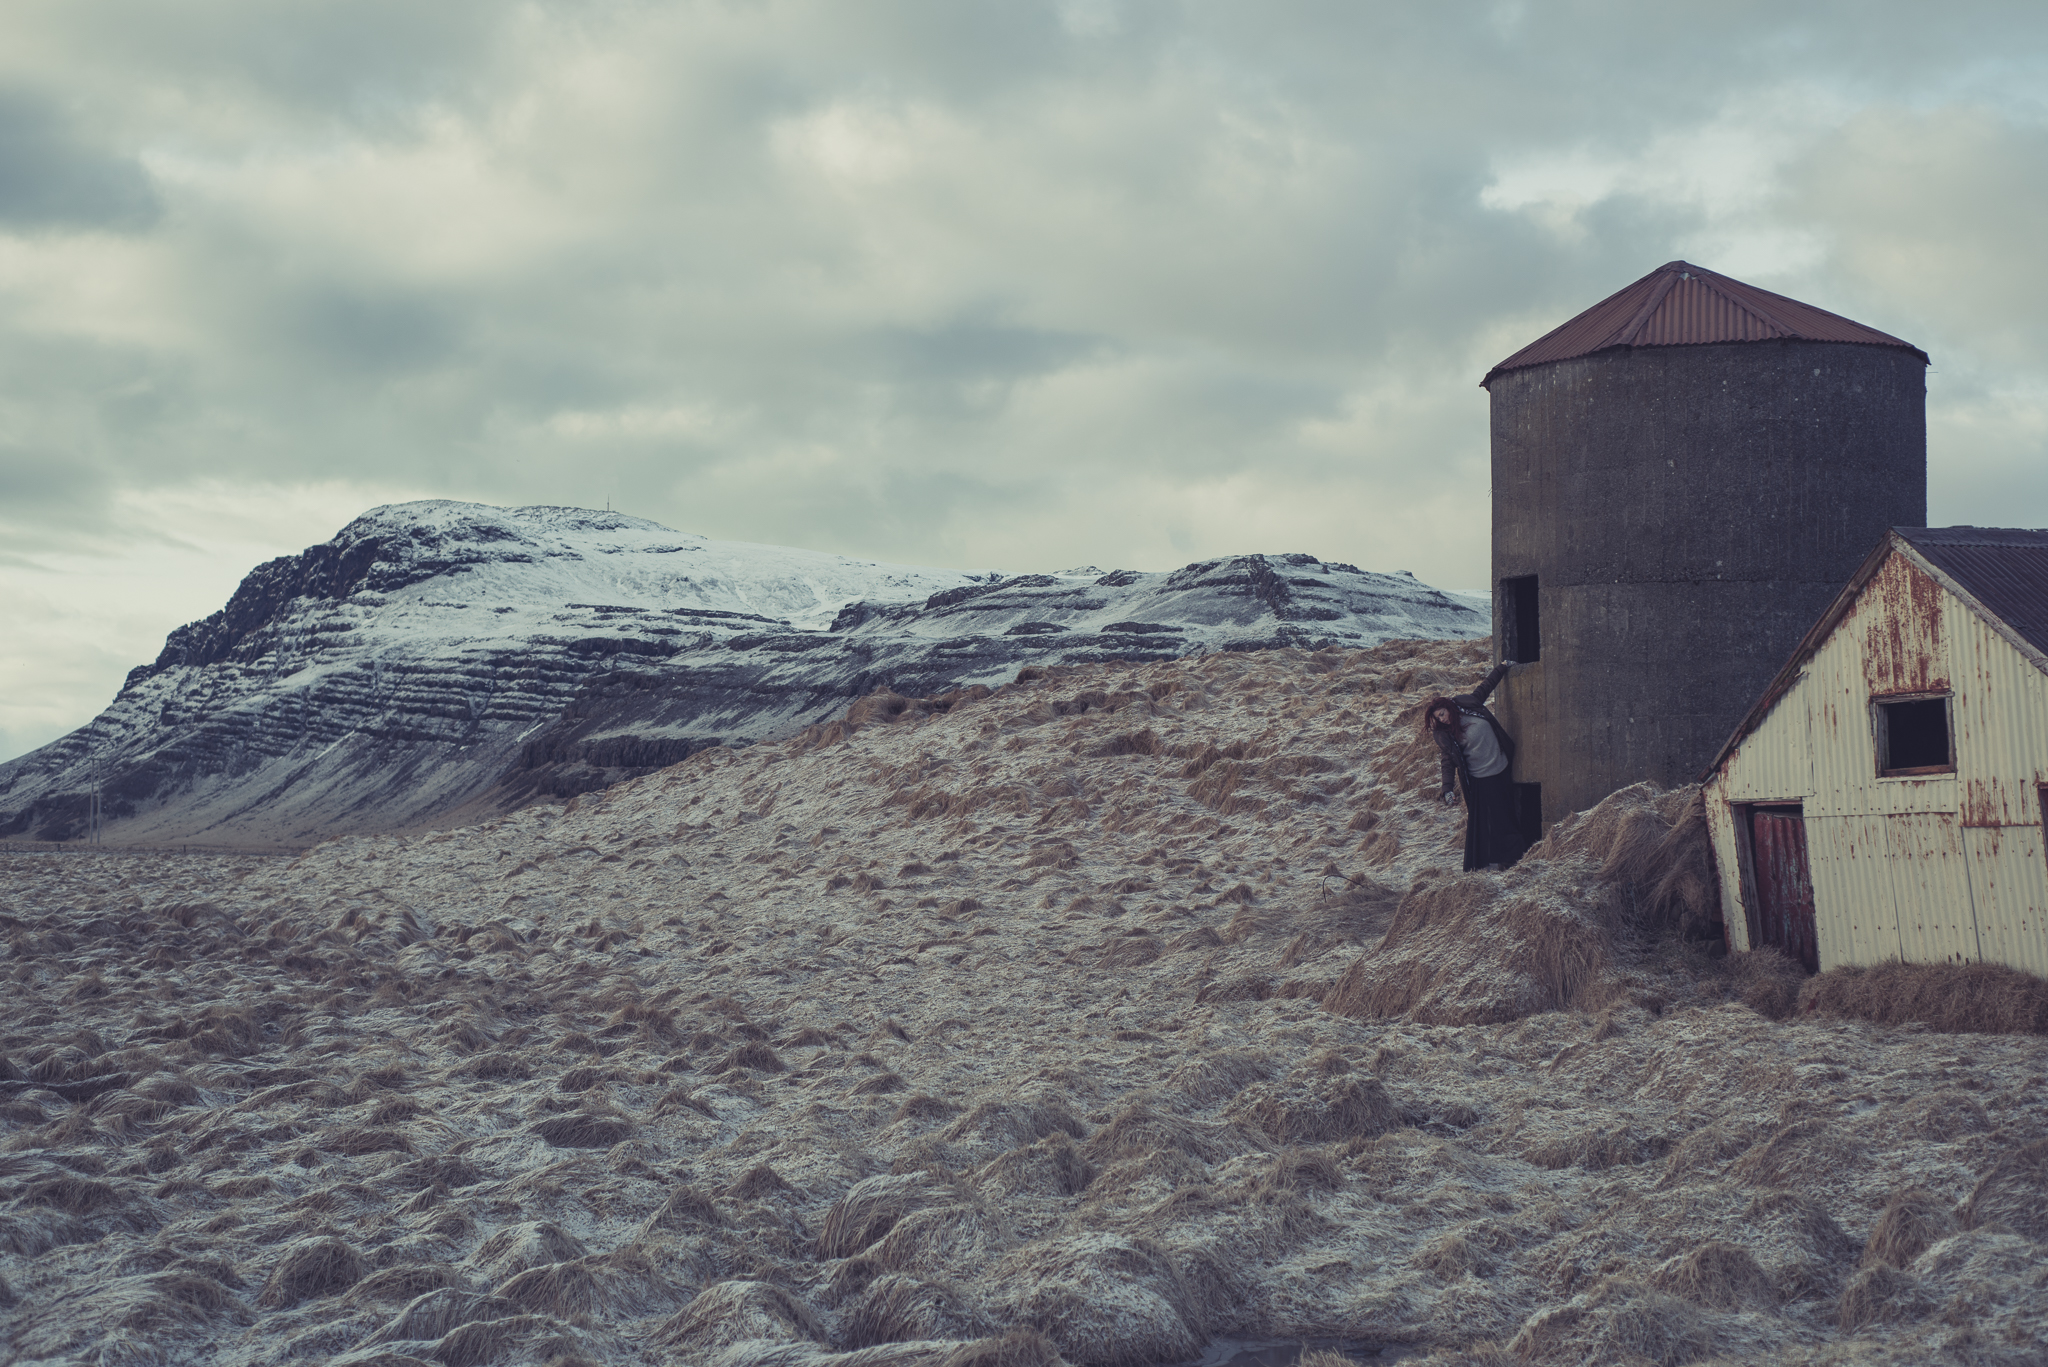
1523	637
1913	737
2042	793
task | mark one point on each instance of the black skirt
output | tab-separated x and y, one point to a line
1491	835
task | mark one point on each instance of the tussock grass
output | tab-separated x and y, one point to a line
1567	929
498	1067
872	1207
1796	1155
487	1341
312	1268
1134	949
730	1312
1318	1108
354	1141
1213	1076
1053	1286
564	1290
1821	1254
683	1208
1957	998
878	1085
1719	1275
1620	1322
76	1195
403	1283
1911	1220
1017	1348
2013	1195
921	1107
895	1307
756	1056
1945	1115
580	1130
1129	1176
432	1314
1878	1295
1054	1166
1767	982
1139	1129
1708	1147
1596	1148
1011	1123
810	1037
528	1244
1295	1168
757	1182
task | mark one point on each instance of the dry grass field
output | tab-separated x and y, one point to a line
1122	1009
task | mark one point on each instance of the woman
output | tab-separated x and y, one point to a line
1477	749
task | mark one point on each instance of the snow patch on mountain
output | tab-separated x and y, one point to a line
436	654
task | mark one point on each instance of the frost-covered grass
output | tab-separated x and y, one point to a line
975	1038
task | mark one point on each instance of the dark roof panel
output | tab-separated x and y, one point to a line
2004	568
1678	304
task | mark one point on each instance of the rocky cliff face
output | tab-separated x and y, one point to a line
437	659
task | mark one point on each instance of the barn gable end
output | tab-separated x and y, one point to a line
1942	863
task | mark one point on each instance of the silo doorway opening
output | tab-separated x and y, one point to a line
1784	884
1522	635
1528	800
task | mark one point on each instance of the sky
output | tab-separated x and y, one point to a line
1023	284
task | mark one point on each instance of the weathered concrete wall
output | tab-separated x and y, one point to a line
1689	512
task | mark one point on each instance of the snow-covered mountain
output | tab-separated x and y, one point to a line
439	658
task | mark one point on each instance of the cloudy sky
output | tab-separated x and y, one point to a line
1023	284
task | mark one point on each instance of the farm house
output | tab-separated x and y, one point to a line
1885	798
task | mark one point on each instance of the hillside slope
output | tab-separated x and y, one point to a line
930	1026
441	661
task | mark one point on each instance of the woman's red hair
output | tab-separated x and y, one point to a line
1429	722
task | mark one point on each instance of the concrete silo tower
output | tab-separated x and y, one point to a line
1684	476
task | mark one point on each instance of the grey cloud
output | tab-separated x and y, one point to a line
1938	214
381	331
51	177
967	369
1029	261
37	484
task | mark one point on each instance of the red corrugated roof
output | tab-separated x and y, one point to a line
1678	304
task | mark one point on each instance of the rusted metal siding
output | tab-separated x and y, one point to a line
1727	869
1931	868
2001	728
1856	915
2000	717
1931	888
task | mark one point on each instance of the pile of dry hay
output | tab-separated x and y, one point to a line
1620	906
1980	999
1597	915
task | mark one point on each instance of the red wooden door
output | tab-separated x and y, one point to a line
1784	884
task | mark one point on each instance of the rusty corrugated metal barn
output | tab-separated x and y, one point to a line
1886	796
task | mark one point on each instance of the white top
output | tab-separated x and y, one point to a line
1482	748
